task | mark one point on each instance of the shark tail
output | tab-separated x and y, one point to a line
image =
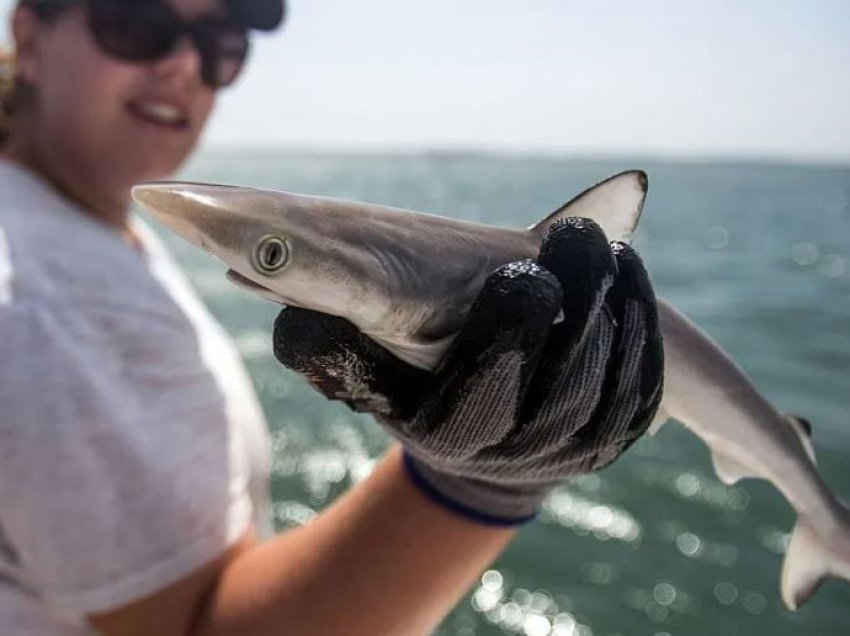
811	558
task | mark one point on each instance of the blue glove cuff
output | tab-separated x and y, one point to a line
460	509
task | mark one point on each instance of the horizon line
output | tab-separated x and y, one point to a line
654	157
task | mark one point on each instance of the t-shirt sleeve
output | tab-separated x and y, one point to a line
119	472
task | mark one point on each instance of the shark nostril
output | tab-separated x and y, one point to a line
271	255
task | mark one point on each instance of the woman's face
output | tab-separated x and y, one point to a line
104	124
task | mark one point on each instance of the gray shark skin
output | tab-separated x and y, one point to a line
407	279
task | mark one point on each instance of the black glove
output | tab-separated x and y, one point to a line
557	369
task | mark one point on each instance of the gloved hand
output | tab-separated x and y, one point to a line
524	398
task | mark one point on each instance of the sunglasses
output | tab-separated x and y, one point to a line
148	30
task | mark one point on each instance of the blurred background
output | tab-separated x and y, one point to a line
499	112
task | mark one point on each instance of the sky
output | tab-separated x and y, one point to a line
751	79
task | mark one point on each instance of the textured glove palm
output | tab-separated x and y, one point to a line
556	371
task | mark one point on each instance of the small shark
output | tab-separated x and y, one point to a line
407	280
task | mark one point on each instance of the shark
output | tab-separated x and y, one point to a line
407	279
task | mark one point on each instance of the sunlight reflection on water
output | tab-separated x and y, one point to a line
523	612
584	516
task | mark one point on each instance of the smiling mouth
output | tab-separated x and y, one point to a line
161	114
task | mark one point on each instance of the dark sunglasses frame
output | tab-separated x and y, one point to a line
148	30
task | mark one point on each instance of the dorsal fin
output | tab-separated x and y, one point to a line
804	429
615	204
804	424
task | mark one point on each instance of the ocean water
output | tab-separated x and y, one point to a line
655	545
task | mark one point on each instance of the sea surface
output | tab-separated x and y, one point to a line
655	545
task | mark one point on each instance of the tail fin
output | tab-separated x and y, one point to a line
809	560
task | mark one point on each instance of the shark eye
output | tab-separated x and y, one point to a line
271	254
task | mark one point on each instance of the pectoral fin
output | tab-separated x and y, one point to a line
425	355
729	470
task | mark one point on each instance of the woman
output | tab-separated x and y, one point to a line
132	449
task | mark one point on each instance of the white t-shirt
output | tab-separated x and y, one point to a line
133	449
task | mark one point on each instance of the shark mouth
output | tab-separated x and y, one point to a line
246	283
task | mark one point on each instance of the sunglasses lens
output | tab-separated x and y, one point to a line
134	30
223	51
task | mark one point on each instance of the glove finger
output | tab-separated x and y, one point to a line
567	380
577	252
344	364
633	383
563	396
483	378
513	312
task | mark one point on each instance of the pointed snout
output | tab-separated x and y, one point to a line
188	209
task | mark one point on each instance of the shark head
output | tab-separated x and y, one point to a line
274	243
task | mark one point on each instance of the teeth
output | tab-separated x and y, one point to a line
160	112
